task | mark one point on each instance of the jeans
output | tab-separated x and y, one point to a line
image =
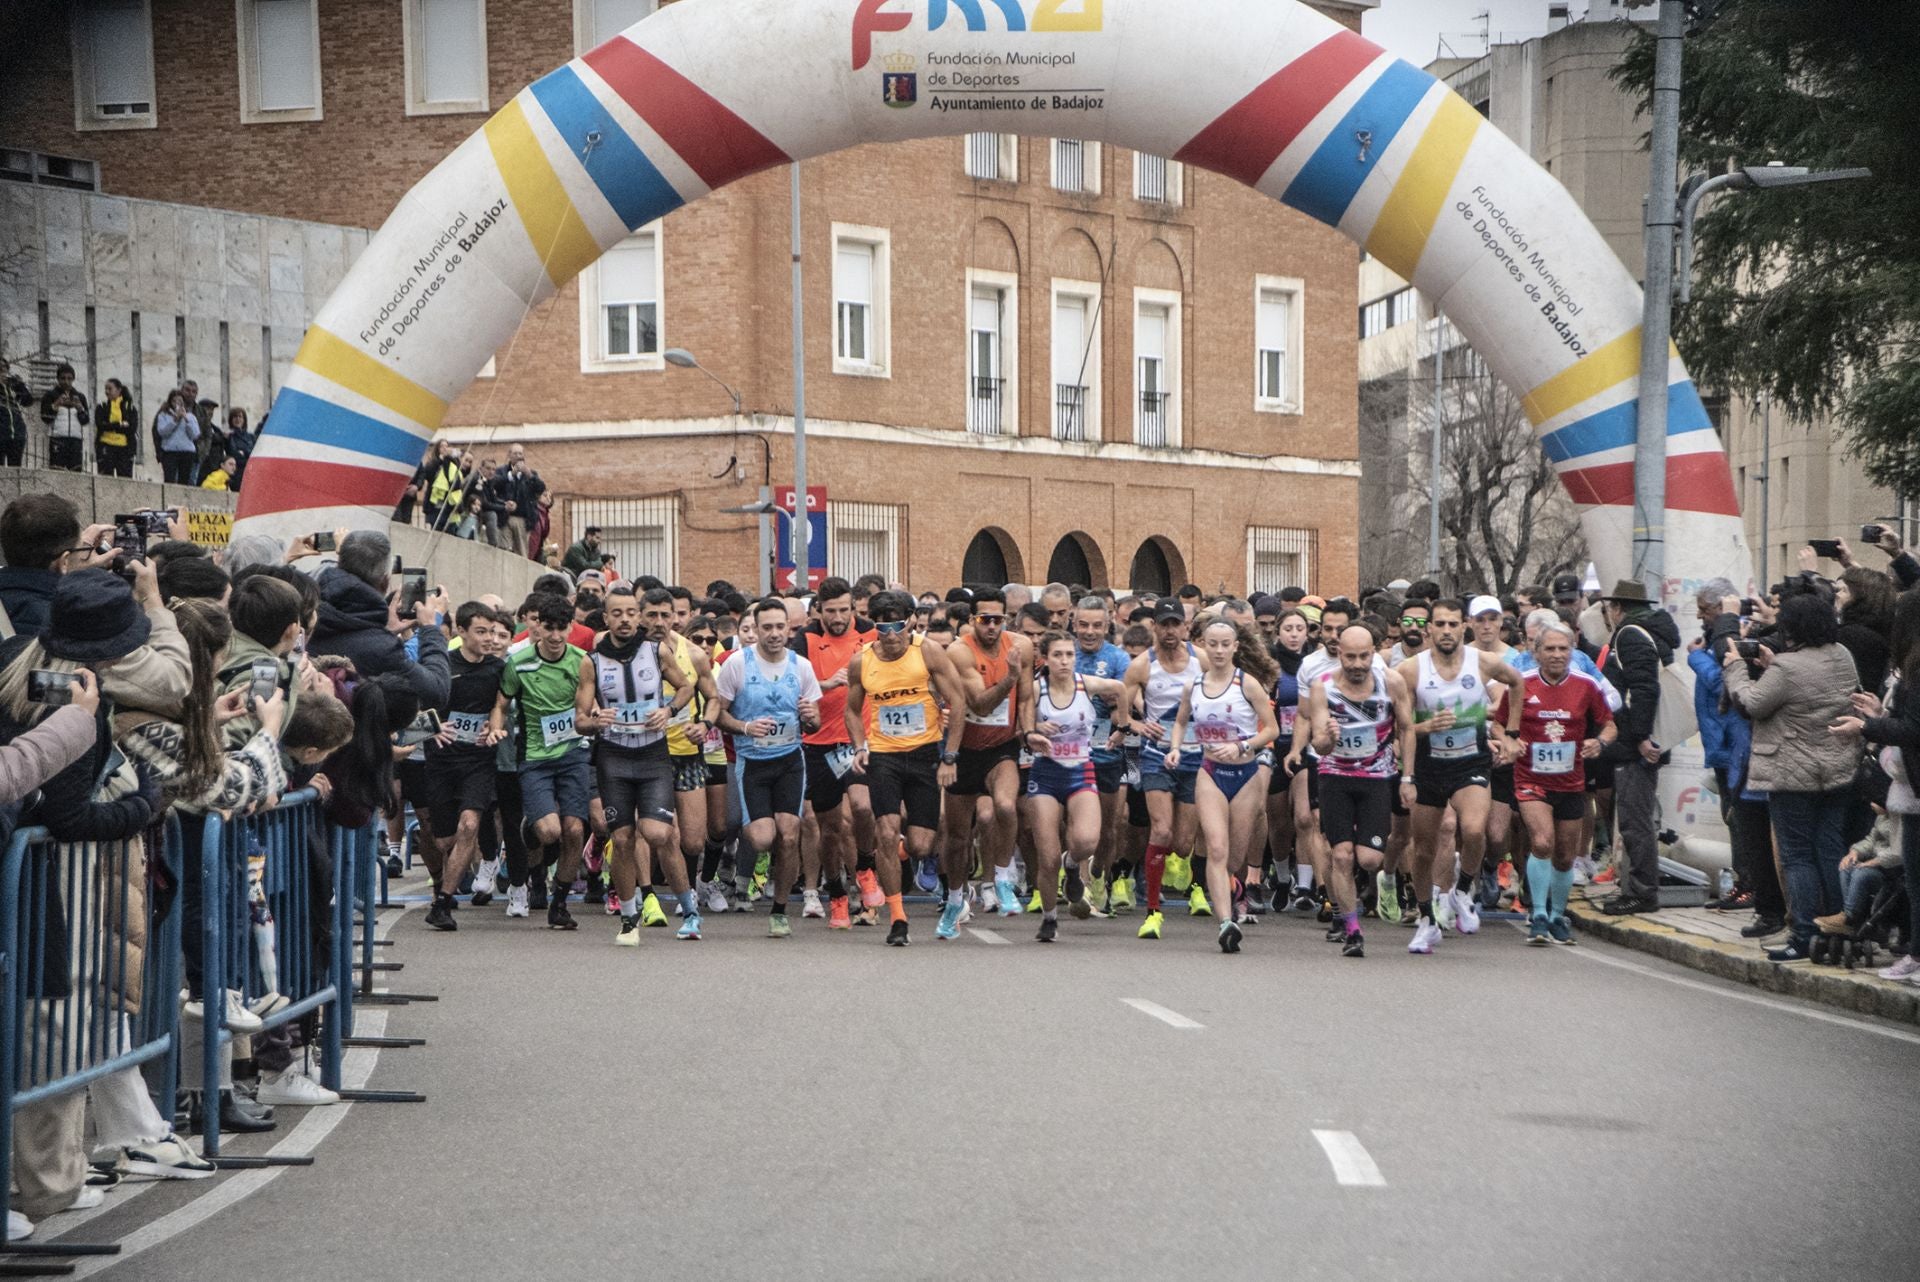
116	460
177	467
1858	886
1909	826
1636	808
63	453
1810	828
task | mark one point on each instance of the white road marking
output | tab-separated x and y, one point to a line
1173	1018
1352	1164
1804	1010
986	936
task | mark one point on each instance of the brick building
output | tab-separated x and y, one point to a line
1027	358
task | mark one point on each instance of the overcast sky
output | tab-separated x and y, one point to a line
1413	28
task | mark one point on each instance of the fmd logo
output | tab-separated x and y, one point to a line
898	15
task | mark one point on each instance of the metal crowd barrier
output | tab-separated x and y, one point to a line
65	913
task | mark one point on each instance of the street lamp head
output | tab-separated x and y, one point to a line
682	357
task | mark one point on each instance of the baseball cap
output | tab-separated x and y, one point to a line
1311	606
1399	585
1566	587
1169	611
1483	605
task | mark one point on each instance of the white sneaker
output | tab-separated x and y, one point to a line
486	876
1424	938
294	1087
966	913
269	1005
989	901
168	1159
1583	870
516	901
1906	969
716	898
810	905
86	1199
19	1227
1443	909
1466	914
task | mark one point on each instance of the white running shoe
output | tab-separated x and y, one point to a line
716	898
1583	870
989	901
167	1159
1466	914
966	913
1424	938
294	1087
486	875
19	1227
86	1199
1443	909
1905	969
810	905
516	901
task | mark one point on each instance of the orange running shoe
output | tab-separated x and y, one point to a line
838	917
1604	877
870	896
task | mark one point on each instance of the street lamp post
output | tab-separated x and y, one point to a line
1765	177
681	358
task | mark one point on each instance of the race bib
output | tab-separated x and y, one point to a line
634	715
1549	758
715	742
1286	716
1459	741
1355	741
683	716
467	726
1215	732
903	719
1102	731
558	729
840	760
1000	716
1189	744
785	734
1070	749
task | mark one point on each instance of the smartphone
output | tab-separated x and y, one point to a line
54	689
1828	548
413	589
1872	533
130	536
1747	607
422	728
323	541
1748	650
266	679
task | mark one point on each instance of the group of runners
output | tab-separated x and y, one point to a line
1013	755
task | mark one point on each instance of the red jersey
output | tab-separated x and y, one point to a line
830	655
1553	722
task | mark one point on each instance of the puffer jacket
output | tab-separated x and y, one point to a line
1801	693
353	626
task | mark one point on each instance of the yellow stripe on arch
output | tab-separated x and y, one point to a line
1399	235
338	361
559	236
1614	363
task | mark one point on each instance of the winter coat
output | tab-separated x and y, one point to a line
1633	668
105	428
43	752
27	595
14	399
353	626
1709	709
1792	704
1898	727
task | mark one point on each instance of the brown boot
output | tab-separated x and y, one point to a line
1833	924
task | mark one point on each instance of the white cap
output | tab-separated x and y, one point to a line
1483	605
1399	585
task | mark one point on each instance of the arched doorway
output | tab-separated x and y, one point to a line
1076	559
1157	567
992	558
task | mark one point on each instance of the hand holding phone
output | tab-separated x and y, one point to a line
1827	548
50	689
266	682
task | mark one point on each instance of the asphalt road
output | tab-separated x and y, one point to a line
827	1107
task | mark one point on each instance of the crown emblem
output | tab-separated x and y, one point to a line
899	62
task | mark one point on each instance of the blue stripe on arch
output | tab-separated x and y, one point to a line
1618	427
1332	176
636	190
305	417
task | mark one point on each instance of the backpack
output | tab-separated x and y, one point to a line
1673	721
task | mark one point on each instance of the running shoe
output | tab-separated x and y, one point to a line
989	899
743	891
1583	869
1336	931
1049	928
838	918
650	913
1197	905
1387	906
516	901
1604	877
1034	905
716	898
1081	908
1466	913
810	905
629	936
483	883
1538	936
927	876
167	1159
1326	907
1009	898
1561	930
1120	898
1099	896
558	918
778	927
870	896
1303	901
866	917
613	904
1904	969
1443	910
440	915
537	890
1150	928
1229	937
1356	945
949	927
897	934
689	927
1179	875
1424	938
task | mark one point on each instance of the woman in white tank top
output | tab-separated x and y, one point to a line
1057	725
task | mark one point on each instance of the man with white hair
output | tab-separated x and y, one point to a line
1565	724
1018	595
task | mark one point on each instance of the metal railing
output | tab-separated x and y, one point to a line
1069	165
983	156
1151	428
1070	406
1151	178
984	407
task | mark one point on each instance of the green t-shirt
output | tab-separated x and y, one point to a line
546	700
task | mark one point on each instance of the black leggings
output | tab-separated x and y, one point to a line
506	792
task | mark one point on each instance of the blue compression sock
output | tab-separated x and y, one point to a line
1559	888
1539	882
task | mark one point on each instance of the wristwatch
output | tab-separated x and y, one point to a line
949	758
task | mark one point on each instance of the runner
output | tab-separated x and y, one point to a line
1292	788
686	741
1232	720
1455	752
1599	771
1320	664
1060	724
836	790
1159	680
1359	716
459	762
1566	724
1095	655
622	702
764	697
904	760
993	669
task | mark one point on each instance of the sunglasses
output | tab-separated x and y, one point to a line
893	628
1408	622
997	620
706	638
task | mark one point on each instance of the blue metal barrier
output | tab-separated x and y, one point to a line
65	916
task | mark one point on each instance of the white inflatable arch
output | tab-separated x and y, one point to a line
1269	92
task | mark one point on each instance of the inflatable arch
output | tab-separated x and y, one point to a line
1269	92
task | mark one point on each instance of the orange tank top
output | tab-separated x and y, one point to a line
997	726
901	713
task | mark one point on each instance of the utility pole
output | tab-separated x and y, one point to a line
802	521
1650	447
1433	478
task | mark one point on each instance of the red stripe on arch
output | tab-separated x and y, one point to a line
1695	483
1250	135
288	484
716	144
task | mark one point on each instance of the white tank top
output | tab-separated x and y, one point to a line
1362	732
632	690
1165	690
1072	744
1223	718
1466	694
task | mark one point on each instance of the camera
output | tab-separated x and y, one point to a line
1872	533
54	689
1748	650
